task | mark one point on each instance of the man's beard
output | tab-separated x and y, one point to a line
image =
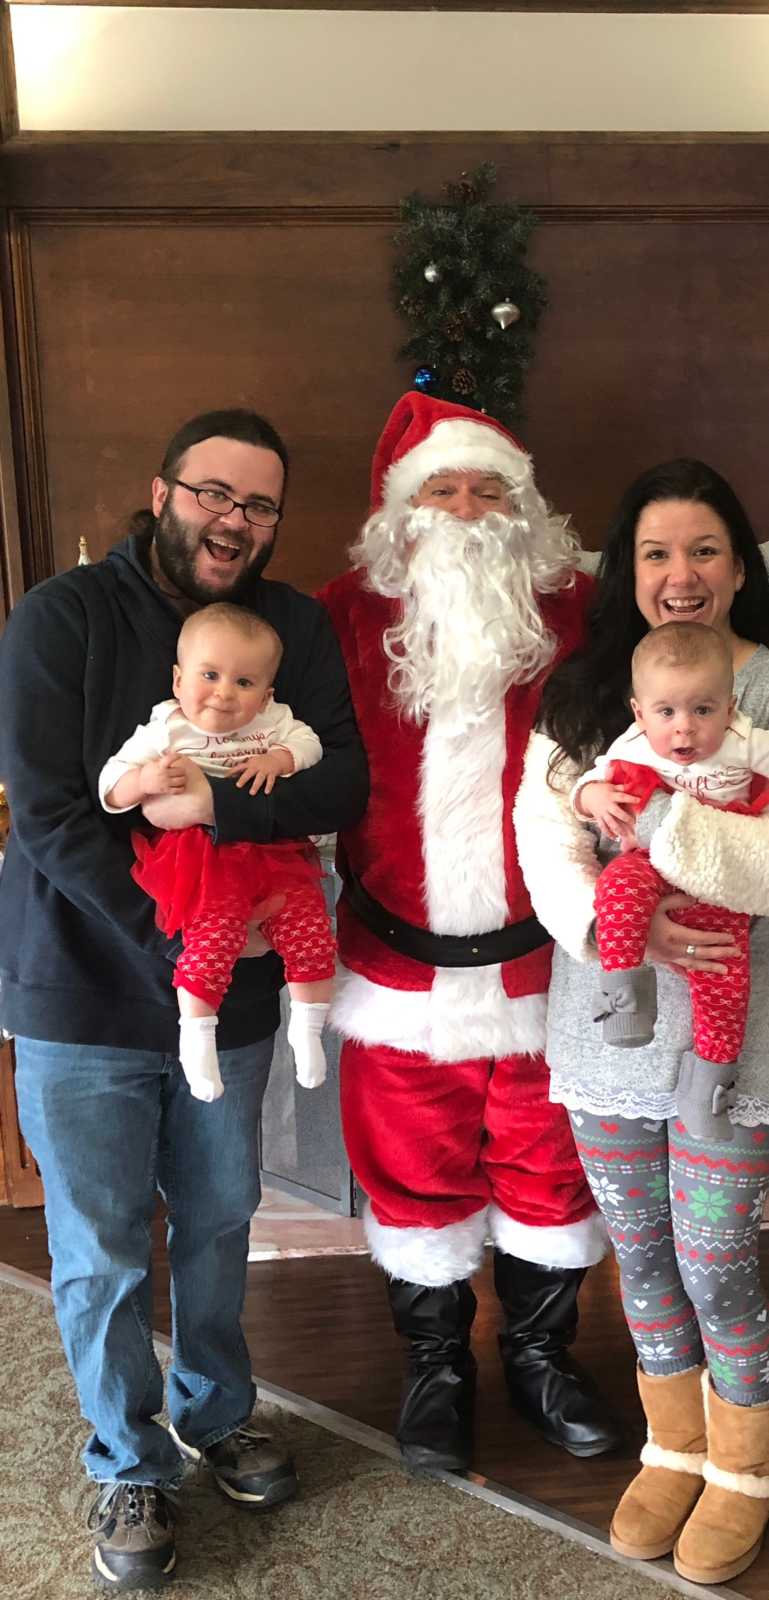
471	624
177	543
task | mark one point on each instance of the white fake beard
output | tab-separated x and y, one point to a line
471	624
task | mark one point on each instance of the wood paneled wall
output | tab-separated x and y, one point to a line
150	278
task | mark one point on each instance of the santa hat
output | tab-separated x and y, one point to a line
423	436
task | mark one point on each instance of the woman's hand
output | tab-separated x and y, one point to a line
668	940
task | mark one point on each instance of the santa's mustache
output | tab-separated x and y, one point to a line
448	544
470	623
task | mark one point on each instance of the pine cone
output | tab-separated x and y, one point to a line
463	381
412	308
454	328
463	193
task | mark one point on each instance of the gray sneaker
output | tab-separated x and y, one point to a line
252	1469
135	1544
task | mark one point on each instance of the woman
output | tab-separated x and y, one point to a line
683	1217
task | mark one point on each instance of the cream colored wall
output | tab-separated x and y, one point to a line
135	68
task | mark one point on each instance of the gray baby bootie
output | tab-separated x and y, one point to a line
626	1004
706	1090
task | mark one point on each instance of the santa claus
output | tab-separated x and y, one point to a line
463	595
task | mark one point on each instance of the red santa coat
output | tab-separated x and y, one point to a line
437	847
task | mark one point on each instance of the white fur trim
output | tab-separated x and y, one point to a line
454	446
556	852
460	805
433	1257
715	856
747	1483
466	1015
573	1244
692	1461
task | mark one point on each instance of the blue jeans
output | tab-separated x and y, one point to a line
108	1127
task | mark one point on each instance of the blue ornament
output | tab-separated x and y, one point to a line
423	377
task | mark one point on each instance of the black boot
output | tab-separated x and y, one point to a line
550	1389
435	1424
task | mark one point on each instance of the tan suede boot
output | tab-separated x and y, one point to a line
724	1532
655	1506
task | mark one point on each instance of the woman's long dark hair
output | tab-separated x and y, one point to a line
585	702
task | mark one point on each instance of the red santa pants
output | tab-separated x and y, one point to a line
433	1143
300	932
626	897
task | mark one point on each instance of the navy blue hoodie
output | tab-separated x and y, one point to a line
83	659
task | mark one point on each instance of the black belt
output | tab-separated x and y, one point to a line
444	949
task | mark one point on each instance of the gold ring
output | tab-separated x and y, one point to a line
690	950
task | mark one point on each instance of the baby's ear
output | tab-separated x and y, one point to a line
636	710
176	677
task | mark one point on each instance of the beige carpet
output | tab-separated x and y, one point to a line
362	1530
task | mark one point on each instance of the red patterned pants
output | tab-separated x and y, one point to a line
300	932
626	897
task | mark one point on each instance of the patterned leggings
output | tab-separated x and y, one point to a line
300	932
626	896
684	1220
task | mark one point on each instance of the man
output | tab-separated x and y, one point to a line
86	980
462	597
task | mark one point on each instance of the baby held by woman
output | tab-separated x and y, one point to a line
686	735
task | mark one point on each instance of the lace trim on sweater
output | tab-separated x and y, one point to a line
747	1111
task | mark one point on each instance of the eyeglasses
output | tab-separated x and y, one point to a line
221	504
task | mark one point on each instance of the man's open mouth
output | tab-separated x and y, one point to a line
222	549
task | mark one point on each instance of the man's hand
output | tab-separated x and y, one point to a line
263	770
165	775
194	807
611	806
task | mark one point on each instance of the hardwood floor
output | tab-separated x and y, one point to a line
320	1326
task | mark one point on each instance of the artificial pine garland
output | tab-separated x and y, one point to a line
472	303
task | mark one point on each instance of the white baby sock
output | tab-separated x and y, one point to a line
197	1054
305	1026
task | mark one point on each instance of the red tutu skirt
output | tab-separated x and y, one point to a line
187	875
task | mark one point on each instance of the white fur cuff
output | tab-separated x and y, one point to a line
574	1244
432	1257
454	445
556	852
692	1462
465	1016
747	1483
715	856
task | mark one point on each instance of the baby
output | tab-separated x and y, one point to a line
687	735
224	720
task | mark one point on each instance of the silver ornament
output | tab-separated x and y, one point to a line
432	273
505	312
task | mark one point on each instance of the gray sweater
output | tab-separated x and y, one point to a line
718	857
